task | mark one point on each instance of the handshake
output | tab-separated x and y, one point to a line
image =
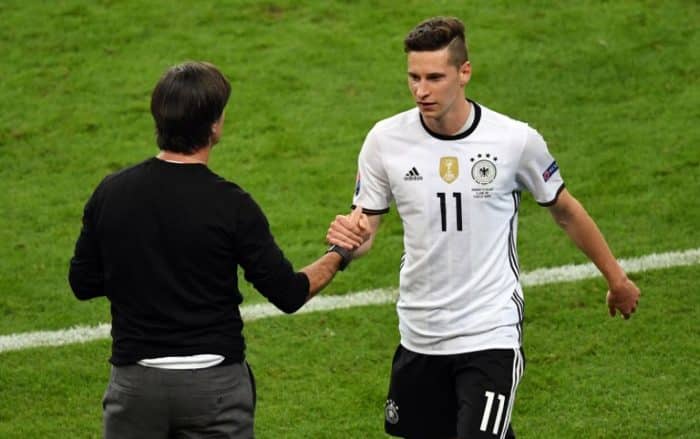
353	233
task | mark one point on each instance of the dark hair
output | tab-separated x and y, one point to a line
185	103
437	33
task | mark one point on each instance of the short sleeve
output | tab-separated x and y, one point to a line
372	189
538	171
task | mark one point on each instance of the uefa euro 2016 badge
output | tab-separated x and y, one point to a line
484	168
391	411
551	170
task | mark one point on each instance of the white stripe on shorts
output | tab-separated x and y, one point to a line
517	375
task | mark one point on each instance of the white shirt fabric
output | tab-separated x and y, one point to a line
458	199
199	361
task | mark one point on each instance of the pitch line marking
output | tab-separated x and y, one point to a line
541	276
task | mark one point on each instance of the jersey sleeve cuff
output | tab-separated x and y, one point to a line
372	211
553	200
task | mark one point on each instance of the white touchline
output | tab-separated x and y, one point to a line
541	276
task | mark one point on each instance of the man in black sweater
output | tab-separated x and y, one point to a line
162	240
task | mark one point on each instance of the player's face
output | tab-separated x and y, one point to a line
436	84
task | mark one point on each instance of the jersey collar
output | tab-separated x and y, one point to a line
463	134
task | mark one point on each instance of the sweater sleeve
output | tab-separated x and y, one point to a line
263	262
85	275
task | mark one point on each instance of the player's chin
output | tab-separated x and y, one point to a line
432	115
428	110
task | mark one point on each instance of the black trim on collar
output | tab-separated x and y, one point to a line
462	135
556	197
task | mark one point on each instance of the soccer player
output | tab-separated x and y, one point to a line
162	240
455	170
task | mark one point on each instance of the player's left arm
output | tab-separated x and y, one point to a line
571	216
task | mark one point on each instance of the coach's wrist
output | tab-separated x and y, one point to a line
345	255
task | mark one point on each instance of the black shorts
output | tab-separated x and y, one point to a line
444	396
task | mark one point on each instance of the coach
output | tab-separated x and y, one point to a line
162	240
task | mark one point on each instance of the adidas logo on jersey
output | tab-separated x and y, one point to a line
413	175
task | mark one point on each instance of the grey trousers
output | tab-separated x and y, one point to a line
145	402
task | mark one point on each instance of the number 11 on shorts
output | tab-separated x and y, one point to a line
487	411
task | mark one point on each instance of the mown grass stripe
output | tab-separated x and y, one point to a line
541	276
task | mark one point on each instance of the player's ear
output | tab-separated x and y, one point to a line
465	73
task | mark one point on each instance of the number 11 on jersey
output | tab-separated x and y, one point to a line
443	209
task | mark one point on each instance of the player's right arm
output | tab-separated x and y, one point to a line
372	190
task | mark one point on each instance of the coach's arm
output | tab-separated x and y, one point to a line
570	215
86	275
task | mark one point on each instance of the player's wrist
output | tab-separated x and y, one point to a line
345	255
617	282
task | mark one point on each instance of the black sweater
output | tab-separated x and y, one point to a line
163	242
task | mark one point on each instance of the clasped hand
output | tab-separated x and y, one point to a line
349	231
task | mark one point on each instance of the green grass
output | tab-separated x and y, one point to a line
612	86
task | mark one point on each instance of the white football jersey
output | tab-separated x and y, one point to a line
458	199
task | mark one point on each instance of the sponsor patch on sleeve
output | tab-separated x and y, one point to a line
551	170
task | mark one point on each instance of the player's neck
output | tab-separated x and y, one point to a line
452	122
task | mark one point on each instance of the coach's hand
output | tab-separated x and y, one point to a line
349	231
623	297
